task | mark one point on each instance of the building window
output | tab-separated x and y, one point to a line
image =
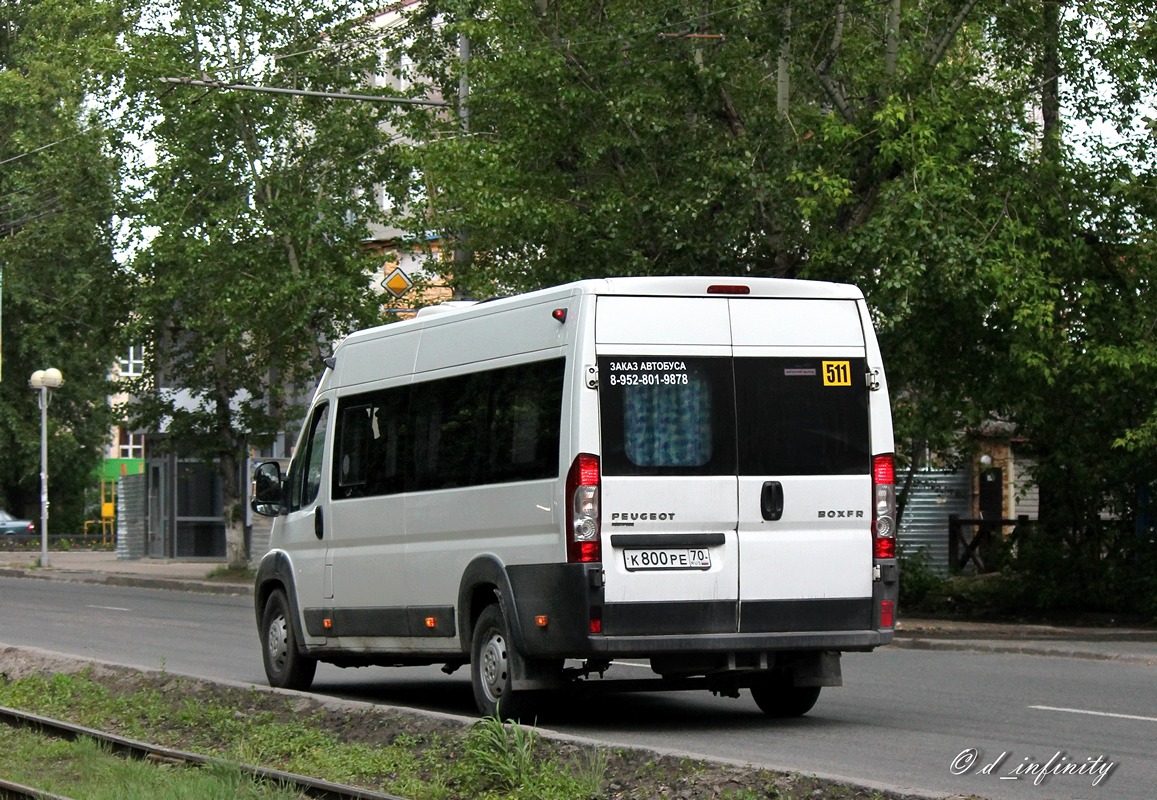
134	365
130	445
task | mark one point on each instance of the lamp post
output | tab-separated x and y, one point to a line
44	381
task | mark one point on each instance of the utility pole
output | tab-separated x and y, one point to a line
462	254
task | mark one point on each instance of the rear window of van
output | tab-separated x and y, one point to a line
748	416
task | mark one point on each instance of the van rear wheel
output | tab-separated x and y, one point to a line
779	698
491	674
285	667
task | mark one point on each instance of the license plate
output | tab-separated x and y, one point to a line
667	558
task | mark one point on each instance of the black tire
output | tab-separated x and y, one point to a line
778	698
490	668
285	666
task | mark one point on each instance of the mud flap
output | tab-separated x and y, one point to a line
526	674
815	669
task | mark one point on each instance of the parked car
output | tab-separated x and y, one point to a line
9	525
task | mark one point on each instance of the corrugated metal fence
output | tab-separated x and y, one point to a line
924	527
132	513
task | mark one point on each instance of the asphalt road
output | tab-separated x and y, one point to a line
928	721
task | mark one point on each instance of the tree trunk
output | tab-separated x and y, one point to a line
232	499
892	40
783	74
1050	69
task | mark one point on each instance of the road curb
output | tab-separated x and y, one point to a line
137	581
930	628
204	587
1012	648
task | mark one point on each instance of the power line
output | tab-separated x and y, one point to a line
414	101
42	147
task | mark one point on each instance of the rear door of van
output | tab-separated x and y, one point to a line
735	465
804	465
669	492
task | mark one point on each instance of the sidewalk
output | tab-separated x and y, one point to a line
88	566
1127	645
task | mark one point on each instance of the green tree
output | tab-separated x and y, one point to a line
974	167
624	138
253	215
63	294
839	141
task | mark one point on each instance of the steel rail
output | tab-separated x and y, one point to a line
17	791
131	748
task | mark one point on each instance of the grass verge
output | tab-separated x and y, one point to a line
389	750
84	769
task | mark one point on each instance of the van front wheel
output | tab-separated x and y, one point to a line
491	654
285	667
778	698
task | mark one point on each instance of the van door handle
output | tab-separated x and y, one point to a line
771	500
318	524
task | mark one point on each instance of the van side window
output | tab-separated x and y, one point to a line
386	458
305	472
449	418
356	429
525	405
492	426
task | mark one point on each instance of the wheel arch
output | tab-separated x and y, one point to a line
484	582
276	572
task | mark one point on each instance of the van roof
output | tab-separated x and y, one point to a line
692	286
644	286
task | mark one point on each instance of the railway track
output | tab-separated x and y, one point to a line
130	748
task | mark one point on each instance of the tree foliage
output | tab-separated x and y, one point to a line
983	171
62	294
255	209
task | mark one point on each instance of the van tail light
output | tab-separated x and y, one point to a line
887	613
583	526
883	507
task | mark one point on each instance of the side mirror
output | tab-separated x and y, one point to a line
266	496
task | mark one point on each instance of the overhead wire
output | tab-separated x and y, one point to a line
802	17
613	34
690	21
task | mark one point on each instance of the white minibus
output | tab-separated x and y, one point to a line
693	473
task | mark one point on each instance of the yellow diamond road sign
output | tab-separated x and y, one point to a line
397	282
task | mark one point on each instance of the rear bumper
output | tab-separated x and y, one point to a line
569	596
644	646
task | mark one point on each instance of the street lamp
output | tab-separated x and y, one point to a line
43	381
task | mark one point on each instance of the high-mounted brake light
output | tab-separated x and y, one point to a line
884	507
728	288
583	536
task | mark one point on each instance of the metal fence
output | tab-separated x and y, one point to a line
132	513
933	498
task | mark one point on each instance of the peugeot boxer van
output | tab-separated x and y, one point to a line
692	473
